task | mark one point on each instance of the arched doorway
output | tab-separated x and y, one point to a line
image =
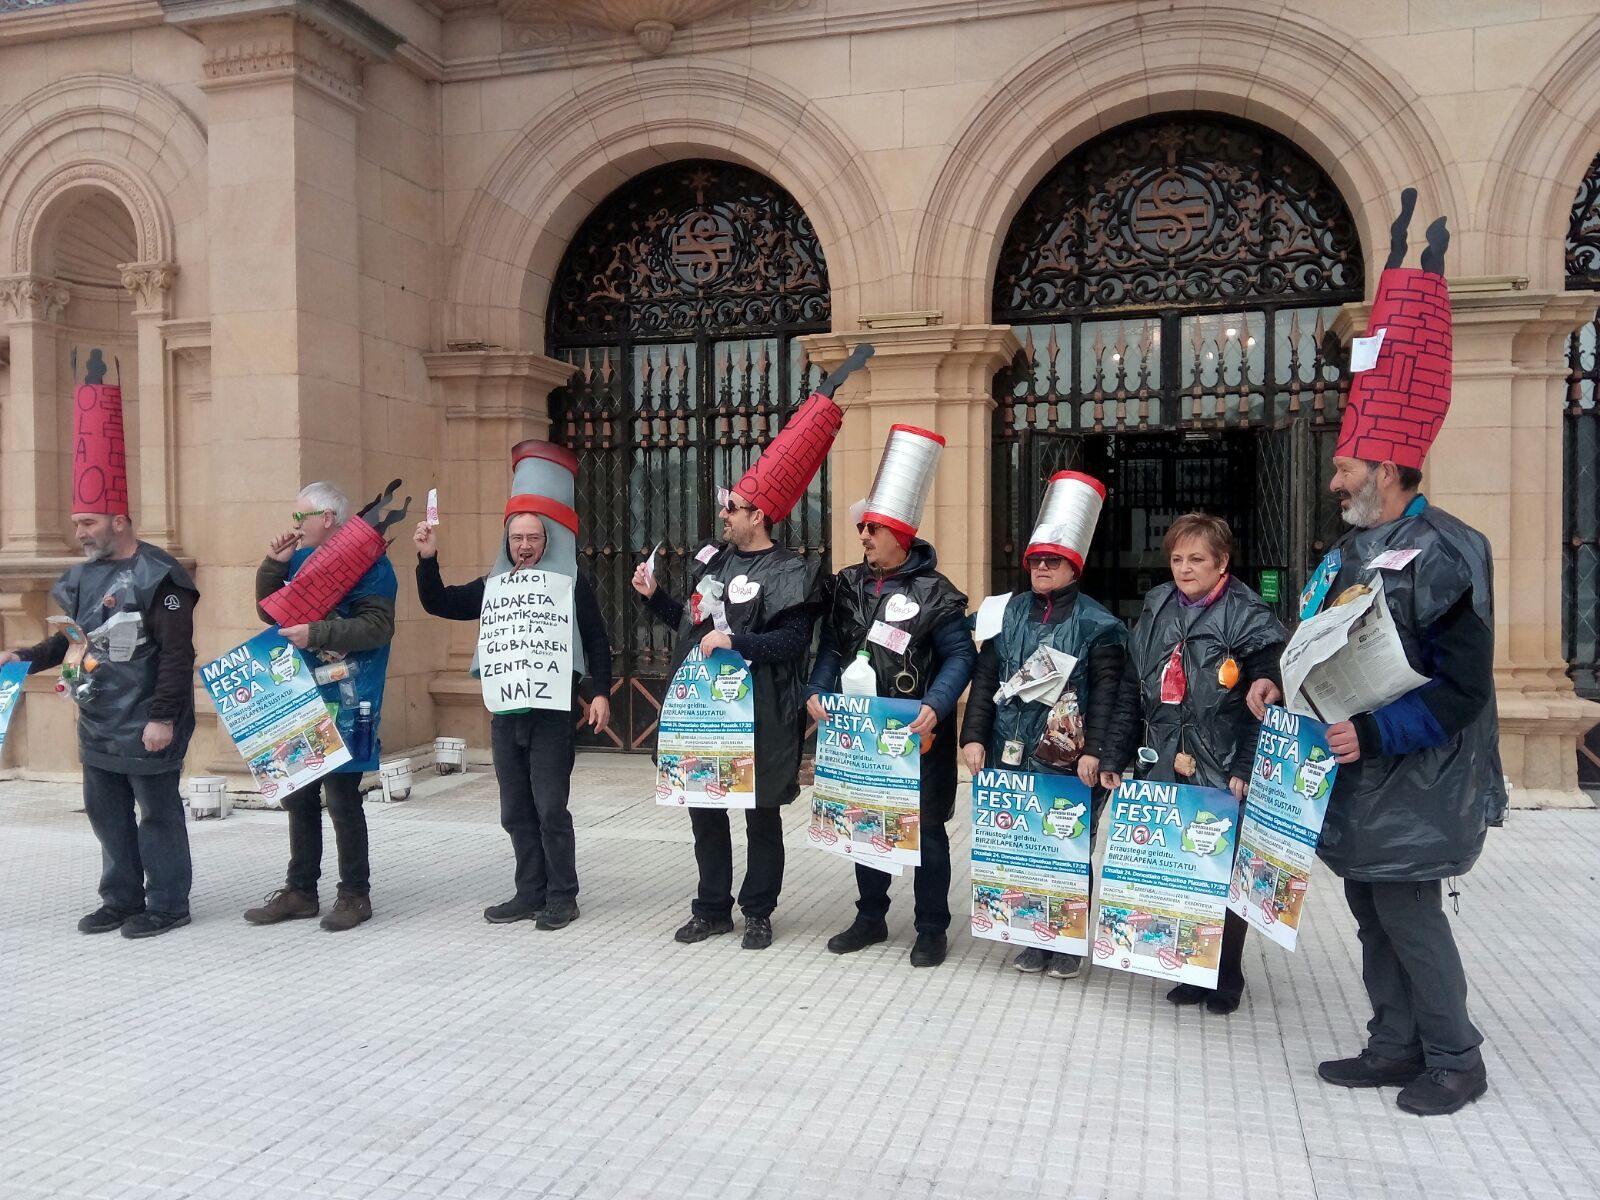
1172	283
1580	576
680	299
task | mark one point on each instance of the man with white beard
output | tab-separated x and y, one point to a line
1419	779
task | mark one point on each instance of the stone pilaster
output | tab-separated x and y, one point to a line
31	427
939	377
150	285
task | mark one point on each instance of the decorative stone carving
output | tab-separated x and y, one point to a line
150	283
33	298
651	22
281	47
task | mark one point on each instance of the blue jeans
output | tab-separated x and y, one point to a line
153	848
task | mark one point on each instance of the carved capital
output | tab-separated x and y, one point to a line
150	283
32	298
296	42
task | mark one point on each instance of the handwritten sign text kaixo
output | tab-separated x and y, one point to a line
525	642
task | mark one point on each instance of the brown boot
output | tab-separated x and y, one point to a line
285	904
348	912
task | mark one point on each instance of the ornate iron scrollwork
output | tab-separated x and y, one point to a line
1178	211
692	248
1583	232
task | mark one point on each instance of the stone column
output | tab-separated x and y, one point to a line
150	284
32	431
283	87
1498	465
492	399
939	377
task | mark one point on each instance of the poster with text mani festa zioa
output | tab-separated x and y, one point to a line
1030	860
706	750
867	803
1164	882
269	704
1283	811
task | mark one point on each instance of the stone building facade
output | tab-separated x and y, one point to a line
323	239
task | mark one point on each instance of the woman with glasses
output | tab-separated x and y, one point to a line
1200	643
1086	730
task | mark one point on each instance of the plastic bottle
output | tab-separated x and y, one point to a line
361	733
859	679
333	672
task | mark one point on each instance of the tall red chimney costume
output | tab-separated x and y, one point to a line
337	564
99	457
1397	405
778	478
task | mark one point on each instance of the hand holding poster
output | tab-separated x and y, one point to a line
1283	811
272	710
706	751
867	803
1030	860
11	677
1164	882
525	641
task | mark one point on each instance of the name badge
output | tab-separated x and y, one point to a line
1316	590
890	637
1393	560
743	589
707	553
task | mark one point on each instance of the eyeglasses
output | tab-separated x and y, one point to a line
301	516
730	506
870	528
1043	562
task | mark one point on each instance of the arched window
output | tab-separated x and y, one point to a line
1580	623
1172	283
680	299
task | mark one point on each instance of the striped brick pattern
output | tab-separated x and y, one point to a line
1395	409
327	575
780	475
99	458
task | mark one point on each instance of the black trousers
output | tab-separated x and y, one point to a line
713	853
349	817
533	757
1413	974
153	847
930	883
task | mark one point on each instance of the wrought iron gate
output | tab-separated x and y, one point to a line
1172	283
680	300
1580	576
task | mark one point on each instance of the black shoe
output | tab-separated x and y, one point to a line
1063	965
1368	1070
1438	1092
929	950
512	910
1222	1003
1188	993
153	924
558	914
103	920
1031	961
858	937
699	929
757	933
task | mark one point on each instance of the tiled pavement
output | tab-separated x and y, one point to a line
429	1054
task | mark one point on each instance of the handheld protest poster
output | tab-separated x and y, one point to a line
1283	813
269	704
1030	860
525	642
706	748
1164	882
11	677
867	803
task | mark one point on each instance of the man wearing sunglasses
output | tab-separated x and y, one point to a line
356	634
760	600
910	621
